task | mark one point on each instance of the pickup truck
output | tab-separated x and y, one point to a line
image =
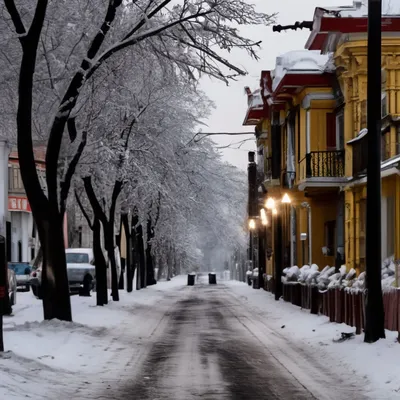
80	268
80	271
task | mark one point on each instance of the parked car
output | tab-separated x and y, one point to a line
80	271
80	268
12	286
36	281
22	271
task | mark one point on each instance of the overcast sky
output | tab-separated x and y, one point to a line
231	102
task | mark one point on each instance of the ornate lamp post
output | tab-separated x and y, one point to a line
272	205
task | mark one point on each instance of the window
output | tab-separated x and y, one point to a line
330	131
77	258
330	237
16	178
10	177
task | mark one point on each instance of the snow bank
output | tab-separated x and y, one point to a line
328	278
64	354
375	366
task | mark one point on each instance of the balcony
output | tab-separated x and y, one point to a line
323	164
360	152
322	169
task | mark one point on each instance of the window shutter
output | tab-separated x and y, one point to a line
330	131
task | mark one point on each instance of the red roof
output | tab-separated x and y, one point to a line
327	25
292	83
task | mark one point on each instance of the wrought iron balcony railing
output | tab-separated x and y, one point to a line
323	164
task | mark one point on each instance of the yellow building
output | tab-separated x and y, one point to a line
313	136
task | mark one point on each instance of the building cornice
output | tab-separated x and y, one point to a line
309	97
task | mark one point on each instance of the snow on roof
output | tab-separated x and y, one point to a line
299	61
359	9
255	99
360	135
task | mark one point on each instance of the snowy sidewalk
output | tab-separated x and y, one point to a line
376	365
44	356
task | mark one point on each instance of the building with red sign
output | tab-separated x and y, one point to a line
21	234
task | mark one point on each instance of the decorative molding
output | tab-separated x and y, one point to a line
306	103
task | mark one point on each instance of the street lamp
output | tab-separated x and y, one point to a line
252	224
278	246
286	199
270	203
264	219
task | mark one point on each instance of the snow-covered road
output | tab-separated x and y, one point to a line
211	346
167	342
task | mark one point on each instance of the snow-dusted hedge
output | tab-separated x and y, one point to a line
328	278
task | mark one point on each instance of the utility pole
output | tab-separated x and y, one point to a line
374	311
252	205
261	254
278	255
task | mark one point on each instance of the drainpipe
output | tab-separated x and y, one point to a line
307	205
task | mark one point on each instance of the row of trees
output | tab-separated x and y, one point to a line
113	88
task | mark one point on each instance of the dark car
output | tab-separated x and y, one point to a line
22	274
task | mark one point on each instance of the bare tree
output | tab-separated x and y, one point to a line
195	27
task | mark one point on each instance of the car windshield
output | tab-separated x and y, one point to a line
20	268
77	258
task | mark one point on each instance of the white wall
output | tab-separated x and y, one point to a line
4	153
21	230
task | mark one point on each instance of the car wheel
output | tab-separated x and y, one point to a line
27	288
87	286
37	291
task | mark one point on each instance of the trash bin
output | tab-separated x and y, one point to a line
191	278
212	278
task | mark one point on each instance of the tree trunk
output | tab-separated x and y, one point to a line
135	250
100	265
142	257
56	303
108	226
54	285
149	256
169	264
109	244
128	260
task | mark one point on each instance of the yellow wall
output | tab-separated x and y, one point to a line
351	62
353	237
